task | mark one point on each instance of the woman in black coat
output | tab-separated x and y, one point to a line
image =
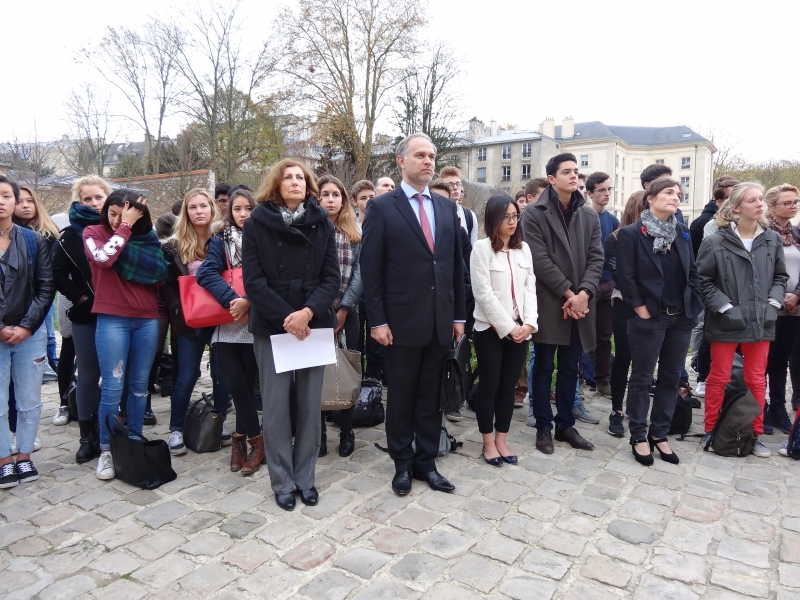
657	277
291	276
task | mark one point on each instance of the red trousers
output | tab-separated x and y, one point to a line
755	365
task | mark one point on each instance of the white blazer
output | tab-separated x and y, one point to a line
491	287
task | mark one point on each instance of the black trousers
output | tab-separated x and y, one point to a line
66	367
412	408
501	361
787	329
370	349
622	355
238	366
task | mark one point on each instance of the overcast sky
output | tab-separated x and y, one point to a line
730	67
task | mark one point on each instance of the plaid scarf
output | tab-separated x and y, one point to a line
80	217
232	236
785	233
142	260
344	252
662	231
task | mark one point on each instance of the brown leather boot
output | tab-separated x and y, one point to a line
256	457
238	451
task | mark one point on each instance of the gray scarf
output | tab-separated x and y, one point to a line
662	231
290	217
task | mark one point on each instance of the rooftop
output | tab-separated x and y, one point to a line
633	136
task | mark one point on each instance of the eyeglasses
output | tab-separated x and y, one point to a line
511	218
790	204
456	185
604	190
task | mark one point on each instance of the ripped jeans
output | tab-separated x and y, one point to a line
24	363
124	343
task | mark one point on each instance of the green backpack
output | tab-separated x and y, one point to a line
733	434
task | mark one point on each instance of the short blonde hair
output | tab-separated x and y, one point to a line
89	180
771	197
189	246
269	191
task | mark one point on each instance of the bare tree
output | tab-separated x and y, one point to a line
142	66
88	144
344	56
32	159
728	160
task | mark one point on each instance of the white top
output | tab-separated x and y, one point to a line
791	256
473	237
491	287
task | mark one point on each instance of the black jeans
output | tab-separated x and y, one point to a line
604	327
501	361
238	366
66	367
622	353
704	355
787	329
664	341
566	381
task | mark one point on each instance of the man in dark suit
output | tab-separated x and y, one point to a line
414	292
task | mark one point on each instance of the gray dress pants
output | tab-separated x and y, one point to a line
289	465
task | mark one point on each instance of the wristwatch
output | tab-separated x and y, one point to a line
588	292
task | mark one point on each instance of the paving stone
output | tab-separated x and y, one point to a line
277	579
602	492
121	589
683	567
443	503
654	587
546	563
309	554
416	519
563	542
198	521
754	505
699	509
478	573
330	504
66	589
53	517
528	588
347	529
659	478
164	571
556	490
486	509
282	534
791	523
241	525
524	478
605	570
449	591
740	578
14	532
628	553
749	527
634	533
156	544
240	501
445	544
31	546
329	585
749	553
710	459
389	590
207	579
143	497
499	548
784	595
505	492
470	524
789	575
362	562
381	507
656	495
760	471
119	534
62	492
69	560
201	495
760	489
686	536
465	487
522	529
418	568
159	515
22	510
207	544
707	489
594	508
585	591
115	510
394	540
248	555
712	474
576	524
543	510
116	563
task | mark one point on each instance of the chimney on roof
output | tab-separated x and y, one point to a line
548	127
493	128
568	128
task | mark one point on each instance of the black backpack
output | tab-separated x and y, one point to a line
733	434
793	448
682	417
453	392
369	410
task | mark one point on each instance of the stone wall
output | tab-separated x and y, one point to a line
163	190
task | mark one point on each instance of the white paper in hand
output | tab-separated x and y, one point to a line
290	354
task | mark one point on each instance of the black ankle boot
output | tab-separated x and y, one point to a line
323	446
347	443
87	451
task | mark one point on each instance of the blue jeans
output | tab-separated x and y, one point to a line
50	322
23	363
566	382
125	345
190	354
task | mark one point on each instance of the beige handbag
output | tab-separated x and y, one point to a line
342	382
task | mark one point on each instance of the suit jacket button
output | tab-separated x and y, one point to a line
279	244
280	268
308	267
433	287
434	262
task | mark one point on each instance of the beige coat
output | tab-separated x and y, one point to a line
491	287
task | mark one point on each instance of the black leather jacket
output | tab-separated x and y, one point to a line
28	290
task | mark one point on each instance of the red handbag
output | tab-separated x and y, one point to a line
200	308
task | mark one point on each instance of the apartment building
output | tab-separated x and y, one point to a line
509	158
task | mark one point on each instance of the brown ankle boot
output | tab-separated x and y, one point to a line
256	457
238	451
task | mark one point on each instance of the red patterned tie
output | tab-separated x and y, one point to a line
423	220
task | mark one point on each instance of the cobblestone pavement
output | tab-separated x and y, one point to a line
573	525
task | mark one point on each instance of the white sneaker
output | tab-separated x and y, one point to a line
761	450
226	439
700	390
105	466
37	445
13	443
784	449
62	416
175	443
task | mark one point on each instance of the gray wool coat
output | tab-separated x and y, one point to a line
563	261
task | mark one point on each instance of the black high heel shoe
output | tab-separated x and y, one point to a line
497	461
642	459
669	457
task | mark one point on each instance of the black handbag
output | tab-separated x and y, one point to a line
138	461
453	392
202	428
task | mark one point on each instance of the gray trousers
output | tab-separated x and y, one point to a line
697	336
289	465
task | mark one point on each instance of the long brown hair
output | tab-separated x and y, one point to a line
270	189
634	208
229	218
493	217
346	219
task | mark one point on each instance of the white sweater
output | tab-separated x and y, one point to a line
491	287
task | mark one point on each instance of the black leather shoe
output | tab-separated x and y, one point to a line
309	497
669	457
495	462
544	441
511	460
285	501
149	418
347	443
642	459
436	480
401	483
573	438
